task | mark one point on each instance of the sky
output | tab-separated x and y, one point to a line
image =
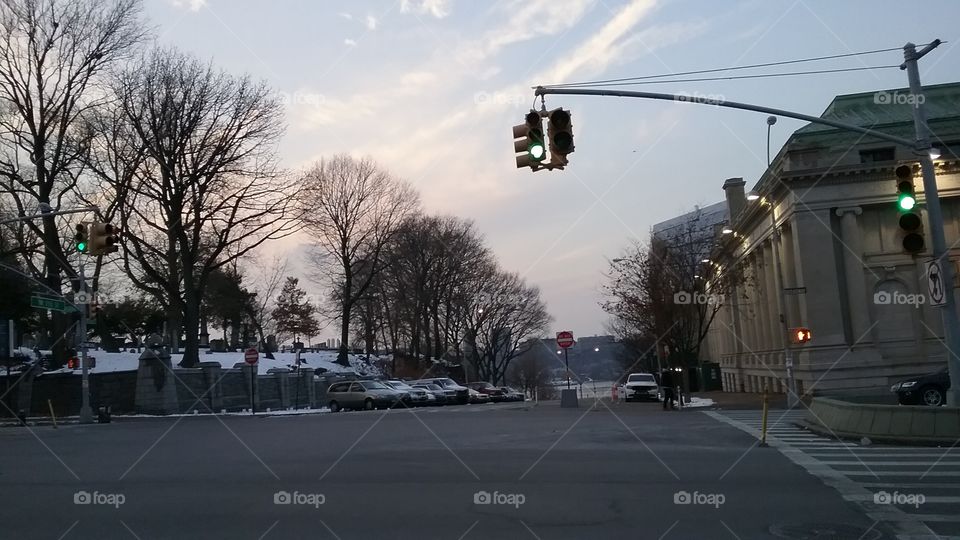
431	88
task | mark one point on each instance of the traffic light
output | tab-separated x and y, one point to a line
910	222
800	335
103	239
528	141
82	238
560	134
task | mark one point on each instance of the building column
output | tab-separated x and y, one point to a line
853	272
773	301
763	322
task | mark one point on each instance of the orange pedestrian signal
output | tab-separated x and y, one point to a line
800	335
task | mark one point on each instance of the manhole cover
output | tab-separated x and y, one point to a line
824	531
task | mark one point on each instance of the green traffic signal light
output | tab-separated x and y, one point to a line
81	246
81	238
537	151
906	201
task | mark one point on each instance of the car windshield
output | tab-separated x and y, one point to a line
399	385
375	385
641	378
447	382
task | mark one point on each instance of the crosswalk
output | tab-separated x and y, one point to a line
915	490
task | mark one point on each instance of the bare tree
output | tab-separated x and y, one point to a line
52	55
207	191
353	208
665	291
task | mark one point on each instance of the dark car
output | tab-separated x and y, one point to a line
494	393
510	394
930	389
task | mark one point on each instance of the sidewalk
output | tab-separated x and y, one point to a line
743	400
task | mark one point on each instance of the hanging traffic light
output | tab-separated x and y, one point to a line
800	335
81	238
910	222
528	141
103	239
560	134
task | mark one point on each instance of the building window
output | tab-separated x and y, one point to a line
877	154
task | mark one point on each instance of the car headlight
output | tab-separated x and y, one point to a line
908	384
895	387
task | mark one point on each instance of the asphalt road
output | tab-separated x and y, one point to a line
549	472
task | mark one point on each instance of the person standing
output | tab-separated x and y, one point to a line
666	382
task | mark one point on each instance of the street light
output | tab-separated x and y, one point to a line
752	196
727	230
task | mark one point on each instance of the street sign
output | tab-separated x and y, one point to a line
935	289
251	356
52	304
565	339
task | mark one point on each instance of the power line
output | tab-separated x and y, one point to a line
731	68
733	77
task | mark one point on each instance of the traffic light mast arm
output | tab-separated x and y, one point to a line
545	90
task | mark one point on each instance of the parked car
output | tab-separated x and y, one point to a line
495	394
441	396
362	395
930	389
641	386
462	393
416	396
477	397
509	394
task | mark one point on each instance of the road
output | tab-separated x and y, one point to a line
614	472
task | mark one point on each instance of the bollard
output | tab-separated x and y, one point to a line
763	425
615	394
22	417
52	414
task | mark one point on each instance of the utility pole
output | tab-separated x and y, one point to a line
86	413
948	313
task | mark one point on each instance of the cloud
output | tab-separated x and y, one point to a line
436	8
346	16
191	5
350	42
371	22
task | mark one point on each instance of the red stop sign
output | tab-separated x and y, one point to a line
251	356
565	339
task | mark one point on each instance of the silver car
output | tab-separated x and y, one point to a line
367	395
416	396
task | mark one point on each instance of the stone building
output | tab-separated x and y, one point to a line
826	218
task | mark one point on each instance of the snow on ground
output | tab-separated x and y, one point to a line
129	361
699	402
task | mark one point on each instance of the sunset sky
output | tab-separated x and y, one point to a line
431	88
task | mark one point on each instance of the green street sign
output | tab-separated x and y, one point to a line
52	304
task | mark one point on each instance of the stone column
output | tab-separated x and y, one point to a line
212	373
308	390
853	272
763	296
156	392
773	303
282	378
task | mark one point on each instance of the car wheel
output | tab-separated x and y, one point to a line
932	396
334	406
369	405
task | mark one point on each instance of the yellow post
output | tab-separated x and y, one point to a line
763	429
52	415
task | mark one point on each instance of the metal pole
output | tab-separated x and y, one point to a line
566	361
86	413
792	397
951	323
542	91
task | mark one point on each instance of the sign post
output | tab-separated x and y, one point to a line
568	397
251	357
